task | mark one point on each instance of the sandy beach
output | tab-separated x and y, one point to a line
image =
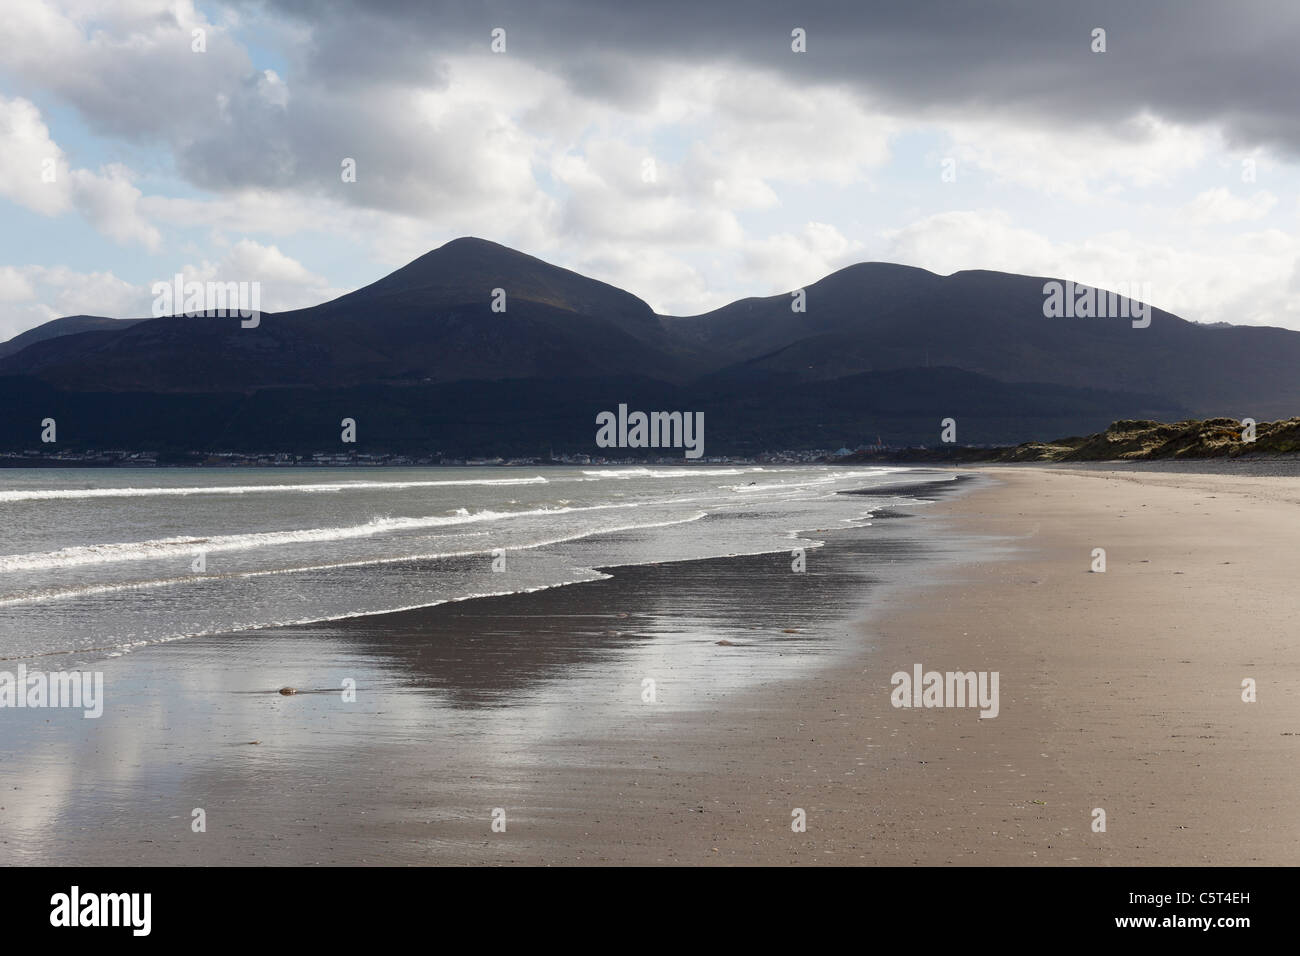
1119	690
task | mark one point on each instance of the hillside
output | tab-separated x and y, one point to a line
882	351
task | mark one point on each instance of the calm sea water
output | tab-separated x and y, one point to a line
97	562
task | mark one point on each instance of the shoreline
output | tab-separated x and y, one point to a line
1118	690
486	684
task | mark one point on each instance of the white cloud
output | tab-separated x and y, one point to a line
127	67
763	127
1219	206
90	293
285	283
33	171
33	295
111	204
664	280
788	261
1075	162
15	286
1241	279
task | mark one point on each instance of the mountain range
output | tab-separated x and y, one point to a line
424	363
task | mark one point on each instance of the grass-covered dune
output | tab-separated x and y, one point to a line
1128	440
1147	440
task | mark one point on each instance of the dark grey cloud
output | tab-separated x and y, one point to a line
1232	64
357	70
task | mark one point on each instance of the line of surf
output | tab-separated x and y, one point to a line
59	494
65	594
188	545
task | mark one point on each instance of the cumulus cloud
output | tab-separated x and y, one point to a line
1218	206
31	295
34	173
1183	60
15	286
111	204
1080	160
1241	279
545	147
285	283
790	260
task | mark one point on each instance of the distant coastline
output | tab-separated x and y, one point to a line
139	459
1127	440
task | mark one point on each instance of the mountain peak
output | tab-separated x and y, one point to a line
467	270
473	242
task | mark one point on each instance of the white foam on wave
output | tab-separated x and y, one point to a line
187	545
684	471
72	494
63	594
403	535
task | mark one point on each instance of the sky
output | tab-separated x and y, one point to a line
690	153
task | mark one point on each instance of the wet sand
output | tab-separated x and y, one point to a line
1119	690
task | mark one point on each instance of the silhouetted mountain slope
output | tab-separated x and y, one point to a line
68	325
467	270
881	348
432	320
875	317
438	343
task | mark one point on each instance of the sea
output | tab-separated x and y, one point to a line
100	562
